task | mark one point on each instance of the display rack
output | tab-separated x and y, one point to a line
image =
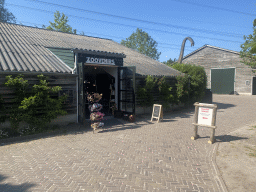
95	107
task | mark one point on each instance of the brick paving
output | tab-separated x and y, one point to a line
140	156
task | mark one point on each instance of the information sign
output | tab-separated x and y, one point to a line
157	112
205	115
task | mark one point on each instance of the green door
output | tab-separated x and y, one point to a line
223	81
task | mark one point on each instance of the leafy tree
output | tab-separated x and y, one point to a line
143	43
60	23
249	48
169	62
5	15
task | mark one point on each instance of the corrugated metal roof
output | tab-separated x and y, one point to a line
25	48
210	46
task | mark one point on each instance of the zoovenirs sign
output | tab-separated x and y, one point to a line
100	61
95	59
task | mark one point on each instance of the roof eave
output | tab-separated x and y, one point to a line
102	53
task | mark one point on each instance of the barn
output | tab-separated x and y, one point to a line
226	74
79	64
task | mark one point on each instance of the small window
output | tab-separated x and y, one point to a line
247	82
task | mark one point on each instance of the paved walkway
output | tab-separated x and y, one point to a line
141	156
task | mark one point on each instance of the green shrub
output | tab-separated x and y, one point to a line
37	107
20	87
198	81
165	96
144	94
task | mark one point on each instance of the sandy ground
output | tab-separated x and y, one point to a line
236	160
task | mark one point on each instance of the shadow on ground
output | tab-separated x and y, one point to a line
226	138
5	187
110	125
223	105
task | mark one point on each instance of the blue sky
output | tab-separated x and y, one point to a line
167	21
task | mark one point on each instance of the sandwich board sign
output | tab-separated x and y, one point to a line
205	115
157	112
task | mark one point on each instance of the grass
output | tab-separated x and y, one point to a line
253	154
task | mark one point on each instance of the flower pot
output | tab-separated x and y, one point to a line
132	118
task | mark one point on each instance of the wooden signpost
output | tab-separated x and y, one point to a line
205	115
157	112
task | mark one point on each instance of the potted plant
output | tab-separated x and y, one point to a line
132	118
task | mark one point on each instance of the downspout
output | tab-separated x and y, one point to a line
74	71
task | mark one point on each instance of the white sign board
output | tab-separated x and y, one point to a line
100	61
205	116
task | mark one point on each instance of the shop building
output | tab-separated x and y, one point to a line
81	65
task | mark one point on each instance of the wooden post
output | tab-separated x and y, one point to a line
201	116
212	138
195	121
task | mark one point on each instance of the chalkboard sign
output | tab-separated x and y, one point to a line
157	112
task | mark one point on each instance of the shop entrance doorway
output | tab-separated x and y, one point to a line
99	80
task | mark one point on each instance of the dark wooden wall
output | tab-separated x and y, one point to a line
67	82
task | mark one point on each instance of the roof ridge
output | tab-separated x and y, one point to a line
53	30
211	46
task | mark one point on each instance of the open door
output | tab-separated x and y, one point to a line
81	103
126	89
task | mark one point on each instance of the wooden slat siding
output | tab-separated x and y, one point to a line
215	58
65	55
66	82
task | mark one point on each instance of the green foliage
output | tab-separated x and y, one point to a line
144	94
143	43
19	85
249	48
38	107
165	96
198	80
60	23
169	62
5	15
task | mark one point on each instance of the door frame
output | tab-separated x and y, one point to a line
133	90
